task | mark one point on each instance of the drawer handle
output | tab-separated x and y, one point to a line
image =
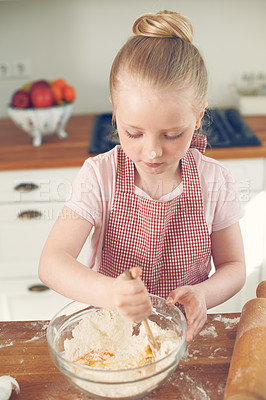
26	187
29	214
38	288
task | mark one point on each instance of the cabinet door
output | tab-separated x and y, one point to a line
20	300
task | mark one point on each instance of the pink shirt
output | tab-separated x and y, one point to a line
94	187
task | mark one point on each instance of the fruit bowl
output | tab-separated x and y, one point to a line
42	121
127	383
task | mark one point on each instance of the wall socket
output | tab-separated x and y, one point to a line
17	69
5	69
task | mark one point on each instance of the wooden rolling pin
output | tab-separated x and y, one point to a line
247	374
261	289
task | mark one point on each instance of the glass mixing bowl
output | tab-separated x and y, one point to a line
130	383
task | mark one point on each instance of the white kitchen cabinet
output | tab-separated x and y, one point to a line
26	218
22	239
250	178
41	185
20	300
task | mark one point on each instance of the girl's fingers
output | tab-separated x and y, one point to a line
179	295
195	322
136	272
195	306
170	301
131	297
136	314
128	287
134	300
194	329
135	308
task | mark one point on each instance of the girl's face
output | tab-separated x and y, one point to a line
155	127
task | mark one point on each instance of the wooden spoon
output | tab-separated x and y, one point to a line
152	342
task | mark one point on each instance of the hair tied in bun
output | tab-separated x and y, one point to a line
164	24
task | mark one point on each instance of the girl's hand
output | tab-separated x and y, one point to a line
130	297
193	299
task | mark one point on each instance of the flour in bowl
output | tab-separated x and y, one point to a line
104	339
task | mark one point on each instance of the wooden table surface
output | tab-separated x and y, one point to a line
17	151
200	375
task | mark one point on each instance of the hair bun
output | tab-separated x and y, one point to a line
164	24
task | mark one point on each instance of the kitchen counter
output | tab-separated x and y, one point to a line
17	151
200	375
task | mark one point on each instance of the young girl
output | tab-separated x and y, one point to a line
157	205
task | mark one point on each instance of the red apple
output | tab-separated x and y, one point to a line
42	97
37	84
21	99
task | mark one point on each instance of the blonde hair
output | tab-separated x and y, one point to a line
161	53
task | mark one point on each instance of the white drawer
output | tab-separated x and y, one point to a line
22	239
19	302
39	185
248	173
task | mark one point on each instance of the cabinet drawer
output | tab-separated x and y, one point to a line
43	185
23	233
19	301
24	229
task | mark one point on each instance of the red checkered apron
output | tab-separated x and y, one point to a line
169	241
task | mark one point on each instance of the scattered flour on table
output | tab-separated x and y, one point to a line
203	393
191	386
42	325
209	331
41	332
37	337
8	343
229	322
190	353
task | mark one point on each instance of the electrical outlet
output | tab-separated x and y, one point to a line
21	68
5	69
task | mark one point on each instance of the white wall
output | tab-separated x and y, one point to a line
78	39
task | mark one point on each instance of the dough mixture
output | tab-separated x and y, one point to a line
106	340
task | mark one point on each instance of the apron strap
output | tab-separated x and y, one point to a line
199	142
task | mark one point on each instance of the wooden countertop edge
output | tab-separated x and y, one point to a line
237	152
218	154
42	164
17	152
